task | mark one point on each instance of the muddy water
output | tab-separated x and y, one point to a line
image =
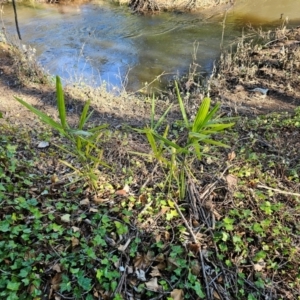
101	41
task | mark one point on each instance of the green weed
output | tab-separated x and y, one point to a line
177	155
84	143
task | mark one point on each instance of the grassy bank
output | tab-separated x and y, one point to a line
139	212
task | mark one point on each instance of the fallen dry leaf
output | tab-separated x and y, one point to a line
217	215
93	210
55	281
143	199
172	263
85	201
260	265
152	285
231	181
124	191
121	193
66	218
54	178
177	294
155	272
194	248
75	241
216	295
76	229
143	260
57	268
231	155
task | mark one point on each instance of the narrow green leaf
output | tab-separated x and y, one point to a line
165	136
169	143
98	161
151	141
199	136
197	149
201	115
162	117
152	111
184	116
211	114
61	103
83	116
216	143
98	128
182	186
219	127
42	116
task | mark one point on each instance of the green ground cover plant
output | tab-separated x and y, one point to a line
233	233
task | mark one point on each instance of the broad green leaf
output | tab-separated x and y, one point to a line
61	103
43	116
198	290
13	286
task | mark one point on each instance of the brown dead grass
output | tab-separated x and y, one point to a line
269	61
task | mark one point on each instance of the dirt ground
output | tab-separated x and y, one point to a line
262	76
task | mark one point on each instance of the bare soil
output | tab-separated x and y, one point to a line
262	75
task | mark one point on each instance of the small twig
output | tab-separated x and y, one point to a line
149	177
200	252
62	296
185	222
204	275
121	282
277	190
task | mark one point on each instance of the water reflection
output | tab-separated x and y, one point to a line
97	42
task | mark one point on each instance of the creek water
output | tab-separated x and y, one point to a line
102	41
